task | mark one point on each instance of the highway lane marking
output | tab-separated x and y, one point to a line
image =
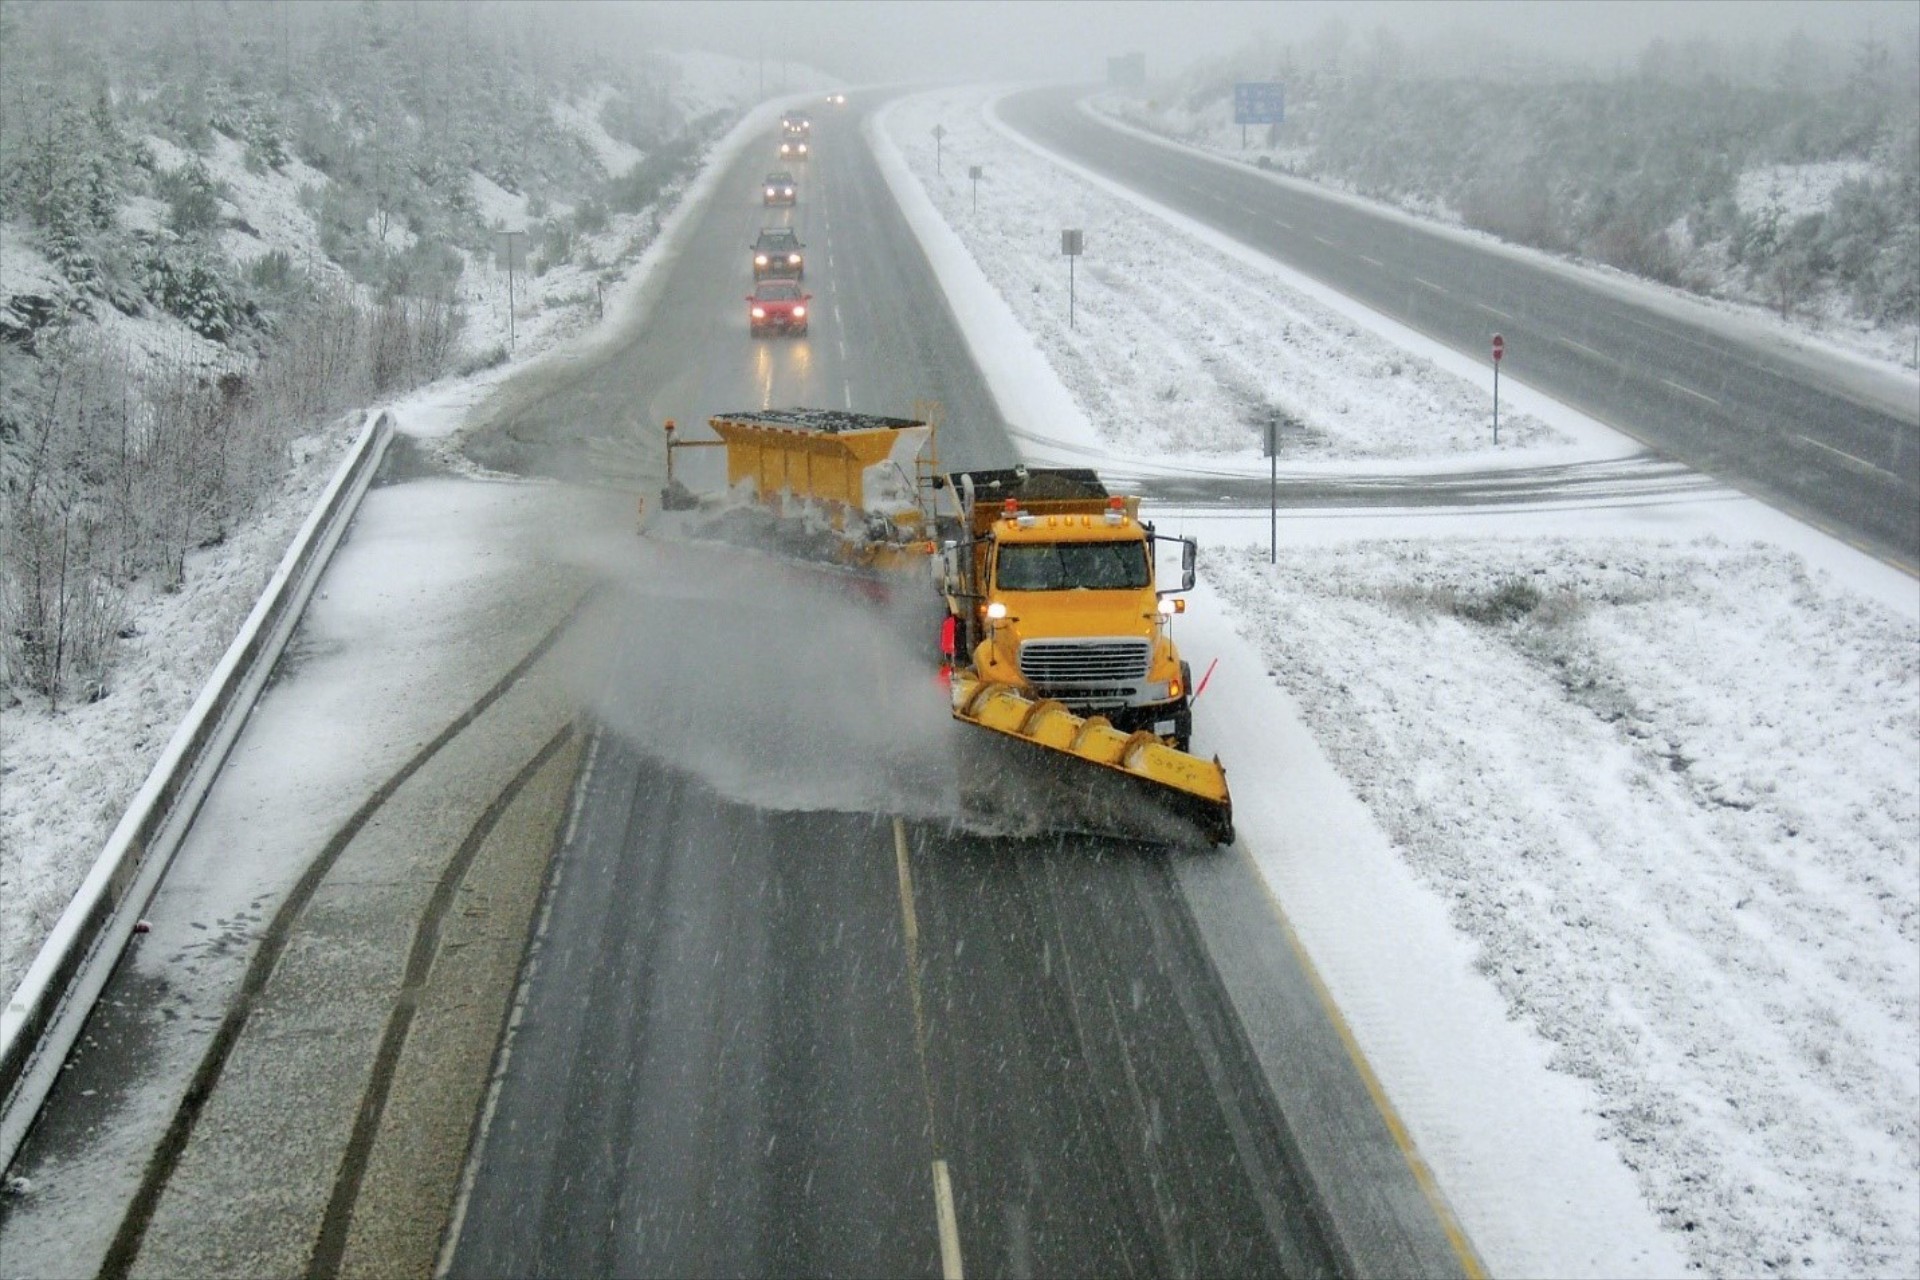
1493	311
1463	1250
496	1082
1431	285
1375	261
942	1184
950	1266
1851	458
1323	240
1581	346
906	910
1697	395
847	387
1284	225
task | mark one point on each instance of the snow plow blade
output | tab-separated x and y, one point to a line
1139	787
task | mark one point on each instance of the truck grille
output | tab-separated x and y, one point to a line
1082	662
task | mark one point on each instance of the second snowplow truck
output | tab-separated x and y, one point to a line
1060	637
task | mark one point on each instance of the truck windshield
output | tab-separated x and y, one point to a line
1065	566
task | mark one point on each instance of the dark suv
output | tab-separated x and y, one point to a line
780	188
777	256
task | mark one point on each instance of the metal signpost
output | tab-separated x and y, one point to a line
1256	102
513	249
939	132
973	174
1499	349
1070	245
1273	488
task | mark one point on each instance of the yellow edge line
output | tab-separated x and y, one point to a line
950	1266
1463	1249
944	1215
909	918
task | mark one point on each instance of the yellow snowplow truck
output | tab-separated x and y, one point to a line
1060	637
1057	641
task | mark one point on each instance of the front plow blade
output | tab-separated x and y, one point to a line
1041	767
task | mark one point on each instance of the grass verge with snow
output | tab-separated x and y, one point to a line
1671	794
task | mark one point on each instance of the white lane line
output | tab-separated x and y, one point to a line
1431	285
1697	395
1288	226
1323	240
1849	458
1581	346
1374	261
950	1267
1494	311
847	387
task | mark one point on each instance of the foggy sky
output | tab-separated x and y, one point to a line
1025	39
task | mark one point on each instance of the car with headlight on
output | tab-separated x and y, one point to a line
796	123
793	149
777	256
777	306
836	99
779	188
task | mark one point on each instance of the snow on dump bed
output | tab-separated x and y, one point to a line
1163	319
1672	792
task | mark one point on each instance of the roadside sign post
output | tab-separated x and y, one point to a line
1257	102
973	175
1499	349
1273	488
1070	245
513	248
939	132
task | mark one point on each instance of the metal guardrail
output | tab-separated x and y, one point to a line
46	1012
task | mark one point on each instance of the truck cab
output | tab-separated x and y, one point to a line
1052	588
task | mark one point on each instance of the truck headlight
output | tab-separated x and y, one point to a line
793	259
759	313
759	259
799	313
996	611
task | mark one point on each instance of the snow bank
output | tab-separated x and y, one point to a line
1684	835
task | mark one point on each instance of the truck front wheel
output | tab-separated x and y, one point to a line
1183	718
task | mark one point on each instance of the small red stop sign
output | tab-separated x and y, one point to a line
1499	347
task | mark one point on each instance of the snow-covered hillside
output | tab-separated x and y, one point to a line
67	774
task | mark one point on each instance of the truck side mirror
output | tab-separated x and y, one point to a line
1189	555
